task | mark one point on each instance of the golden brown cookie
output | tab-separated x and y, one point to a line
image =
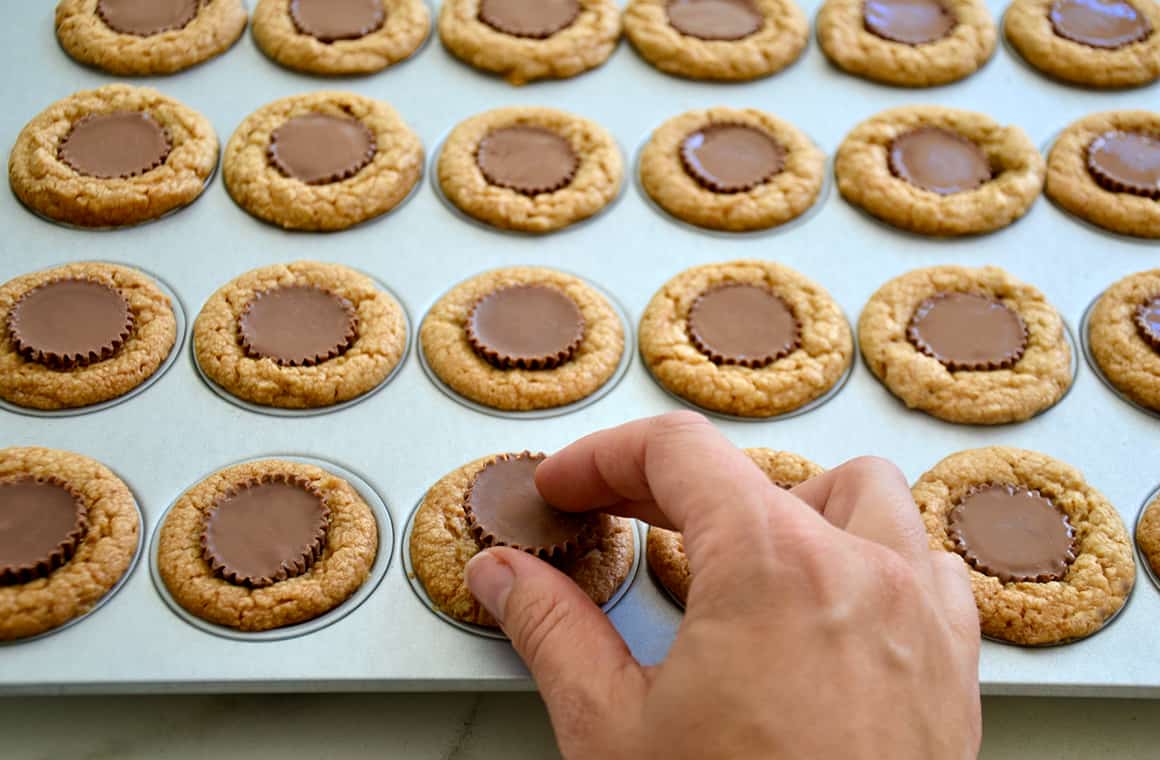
86	527
1105	168
525	40
132	38
357	335
214	563
798	348
726	40
995	176
974	346
1050	590
1124	337
128	331
444	537
275	169
1102	43
497	370
909	43
731	169
60	169
1148	535
349	37
666	548
530	169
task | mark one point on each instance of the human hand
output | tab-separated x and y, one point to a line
823	632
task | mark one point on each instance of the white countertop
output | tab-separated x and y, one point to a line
460	727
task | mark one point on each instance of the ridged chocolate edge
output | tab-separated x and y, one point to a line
63	552
1144	34
752	363
349	337
196	9
708	184
53	360
61	151
326	40
1142	327
897	173
345	174
1110	183
530	191
925	348
539	34
300	565
885	33
503	361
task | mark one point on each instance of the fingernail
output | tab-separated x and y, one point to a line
490	581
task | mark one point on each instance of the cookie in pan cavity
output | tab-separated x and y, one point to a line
665	549
69	531
1124	337
1097	43
114	156
304	335
1049	557
939	171
340	37
724	40
526	40
530	169
81	334
973	346
493	501
266	544
745	338
141	38
1105	169
909	43
523	339
322	162
1148	535
732	169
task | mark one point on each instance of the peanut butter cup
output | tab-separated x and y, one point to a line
535	19
265	531
1013	534
529	160
967	331
939	160
144	18
1148	322
911	22
743	324
727	20
1126	162
116	145
70	323
504	508
297	326
42	521
319	149
525	326
334	20
1101	24
731	158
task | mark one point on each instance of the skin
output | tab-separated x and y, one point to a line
834	633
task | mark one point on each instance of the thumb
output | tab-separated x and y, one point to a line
575	655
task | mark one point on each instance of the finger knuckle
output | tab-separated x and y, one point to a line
679	422
874	467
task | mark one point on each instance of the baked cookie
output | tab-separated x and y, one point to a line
909	43
530	169
302	335
939	171
323	161
1105	168
69	530
747	338
730	169
340	37
135	38
666	548
1124	337
1049	557
525	40
523	338
1148	535
493	501
1100	43
725	40
81	334
974	346
62	166
266	544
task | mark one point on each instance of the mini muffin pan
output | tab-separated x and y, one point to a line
403	438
